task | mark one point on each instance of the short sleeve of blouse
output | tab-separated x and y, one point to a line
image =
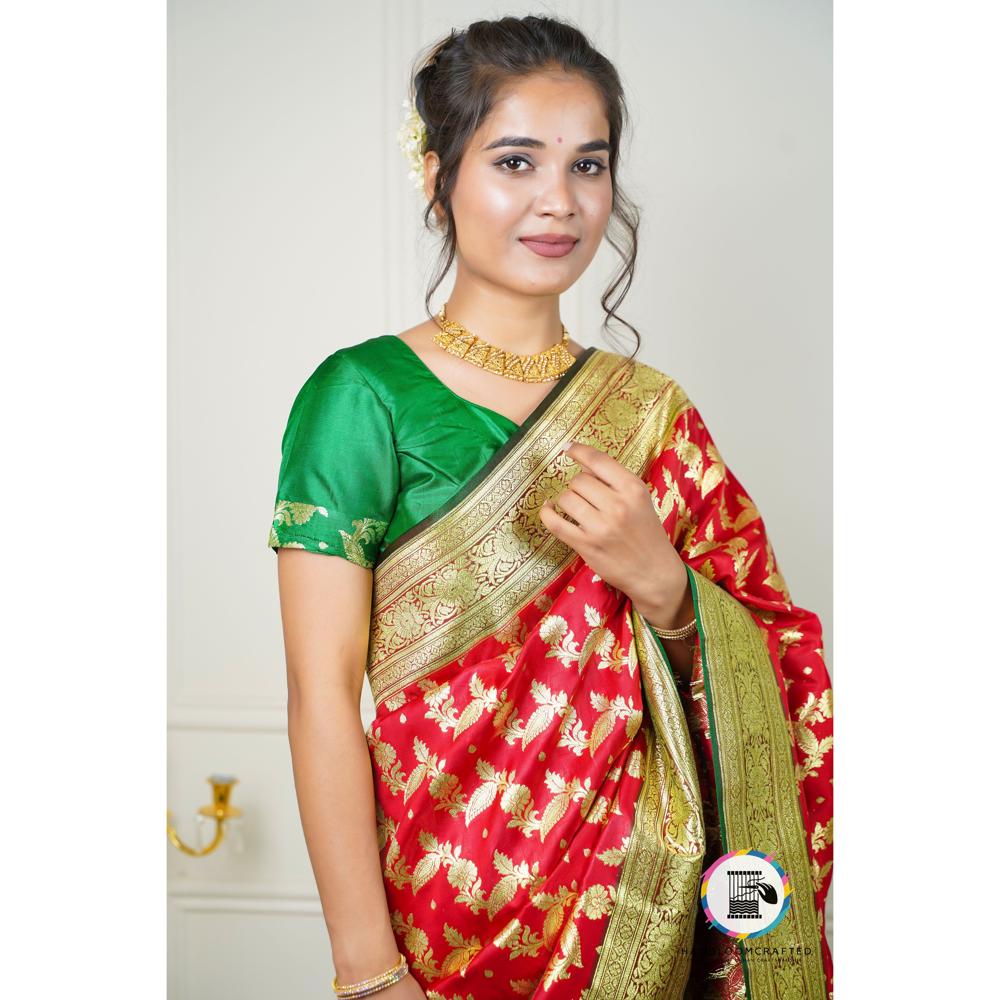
339	476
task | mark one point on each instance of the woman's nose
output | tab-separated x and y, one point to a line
556	196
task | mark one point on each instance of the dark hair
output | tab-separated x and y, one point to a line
455	90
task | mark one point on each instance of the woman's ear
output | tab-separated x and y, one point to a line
431	164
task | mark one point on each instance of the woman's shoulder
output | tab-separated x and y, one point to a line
643	373
358	363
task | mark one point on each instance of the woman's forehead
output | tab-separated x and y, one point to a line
566	109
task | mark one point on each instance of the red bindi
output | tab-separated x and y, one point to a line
558	138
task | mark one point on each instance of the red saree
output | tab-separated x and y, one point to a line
546	798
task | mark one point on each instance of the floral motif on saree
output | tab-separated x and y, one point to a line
547	796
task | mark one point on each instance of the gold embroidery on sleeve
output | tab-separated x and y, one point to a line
289	513
366	529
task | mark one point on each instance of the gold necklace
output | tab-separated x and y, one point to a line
545	366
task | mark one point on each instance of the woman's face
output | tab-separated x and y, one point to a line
538	165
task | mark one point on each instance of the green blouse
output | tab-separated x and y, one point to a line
374	443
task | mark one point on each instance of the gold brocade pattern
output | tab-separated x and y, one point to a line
490	553
758	789
289	514
648	945
467	579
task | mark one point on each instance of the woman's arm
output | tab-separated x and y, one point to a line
671	615
325	612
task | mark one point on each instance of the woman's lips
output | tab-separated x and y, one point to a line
549	249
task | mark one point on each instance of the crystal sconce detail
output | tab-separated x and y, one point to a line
220	814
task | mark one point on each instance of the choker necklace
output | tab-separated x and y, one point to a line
545	366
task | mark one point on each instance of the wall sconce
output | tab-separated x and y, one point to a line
220	811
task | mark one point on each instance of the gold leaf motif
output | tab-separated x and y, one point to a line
471	714
554	907
549	706
519	939
815	709
503	892
738	550
462	953
788	637
746	516
396	701
415	780
555	632
814	750
572	733
568	955
691	457
614	856
554	812
716	471
819	873
424	870
602	730
599	640
290	512
822	836
610	712
697	549
480	800
633	723
366	529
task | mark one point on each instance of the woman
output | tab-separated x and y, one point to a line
589	677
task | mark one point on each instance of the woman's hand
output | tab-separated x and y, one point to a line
619	535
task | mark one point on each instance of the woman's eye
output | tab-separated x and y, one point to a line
512	159
593	163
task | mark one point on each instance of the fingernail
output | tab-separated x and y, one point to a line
568	444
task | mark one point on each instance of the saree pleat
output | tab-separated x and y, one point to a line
547	797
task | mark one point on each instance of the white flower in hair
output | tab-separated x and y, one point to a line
412	133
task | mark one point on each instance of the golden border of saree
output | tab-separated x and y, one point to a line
757	791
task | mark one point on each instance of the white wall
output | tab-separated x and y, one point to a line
294	231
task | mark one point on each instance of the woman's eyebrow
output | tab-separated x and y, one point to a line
522	140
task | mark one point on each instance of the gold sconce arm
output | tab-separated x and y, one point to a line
220	810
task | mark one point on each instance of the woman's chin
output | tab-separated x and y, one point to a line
557	281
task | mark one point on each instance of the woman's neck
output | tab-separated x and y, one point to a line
517	323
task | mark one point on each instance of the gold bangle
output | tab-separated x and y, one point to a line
676	633
368	986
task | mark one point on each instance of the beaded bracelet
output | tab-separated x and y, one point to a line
677	633
375	983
